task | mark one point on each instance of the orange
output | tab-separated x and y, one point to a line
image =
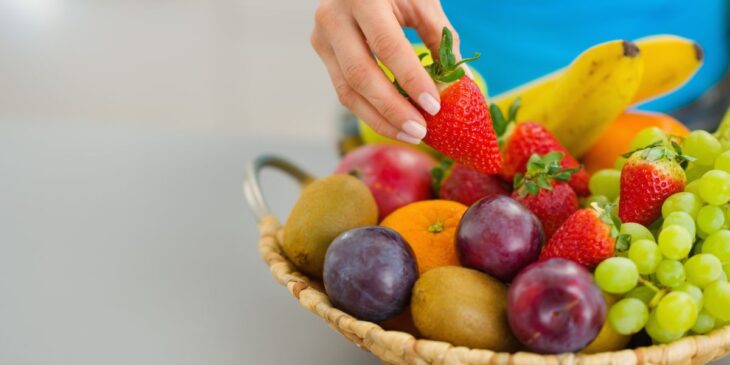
429	227
616	140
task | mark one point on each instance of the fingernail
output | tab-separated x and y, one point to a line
429	103
414	129
407	138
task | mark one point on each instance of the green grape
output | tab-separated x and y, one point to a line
722	162
718	244
645	254
670	273
705	323
675	242
702	234
726	269
717	299
676	312
694	172
703	269
703	146
682	202
598	199
693	187
646	137
682	219
620	162
605	182
616	275
659	334
637	231
628	316
719	323
693	291
715	187
642	293
710	219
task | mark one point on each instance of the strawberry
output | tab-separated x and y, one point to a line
519	141
544	190
588	236
462	130
454	181
650	176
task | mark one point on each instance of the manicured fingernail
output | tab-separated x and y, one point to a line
415	129
407	138
429	103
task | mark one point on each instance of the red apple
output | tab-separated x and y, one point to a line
396	175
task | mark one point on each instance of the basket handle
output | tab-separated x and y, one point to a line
252	181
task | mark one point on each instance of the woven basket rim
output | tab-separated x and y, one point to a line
394	347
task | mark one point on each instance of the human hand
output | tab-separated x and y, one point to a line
346	35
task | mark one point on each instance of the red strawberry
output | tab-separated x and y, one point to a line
519	141
453	181
649	177
588	236
462	130
544	190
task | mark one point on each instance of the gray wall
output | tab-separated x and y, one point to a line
235	66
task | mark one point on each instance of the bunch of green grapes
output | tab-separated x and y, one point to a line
673	278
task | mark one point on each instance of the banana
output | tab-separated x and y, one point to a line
578	102
591	93
670	61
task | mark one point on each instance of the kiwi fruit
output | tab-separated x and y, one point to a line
326	208
464	307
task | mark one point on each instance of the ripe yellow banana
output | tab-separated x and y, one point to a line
578	102
669	62
591	93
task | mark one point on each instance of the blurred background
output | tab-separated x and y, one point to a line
223	65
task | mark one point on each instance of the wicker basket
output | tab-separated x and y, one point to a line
394	347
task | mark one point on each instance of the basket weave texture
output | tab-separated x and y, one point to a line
393	347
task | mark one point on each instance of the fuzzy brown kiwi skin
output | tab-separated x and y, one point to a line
326	208
464	307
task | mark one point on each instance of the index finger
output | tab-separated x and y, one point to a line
386	38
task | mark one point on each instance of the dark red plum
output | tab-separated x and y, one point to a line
396	175
369	273
499	236
554	306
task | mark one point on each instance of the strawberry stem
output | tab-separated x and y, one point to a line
446	69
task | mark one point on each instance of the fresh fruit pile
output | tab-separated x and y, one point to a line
497	236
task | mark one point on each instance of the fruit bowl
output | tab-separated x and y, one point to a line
394	347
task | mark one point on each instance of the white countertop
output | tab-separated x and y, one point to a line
134	246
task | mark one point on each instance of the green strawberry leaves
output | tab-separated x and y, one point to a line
446	69
660	150
541	172
499	122
607	216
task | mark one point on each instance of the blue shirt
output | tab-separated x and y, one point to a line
520	40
